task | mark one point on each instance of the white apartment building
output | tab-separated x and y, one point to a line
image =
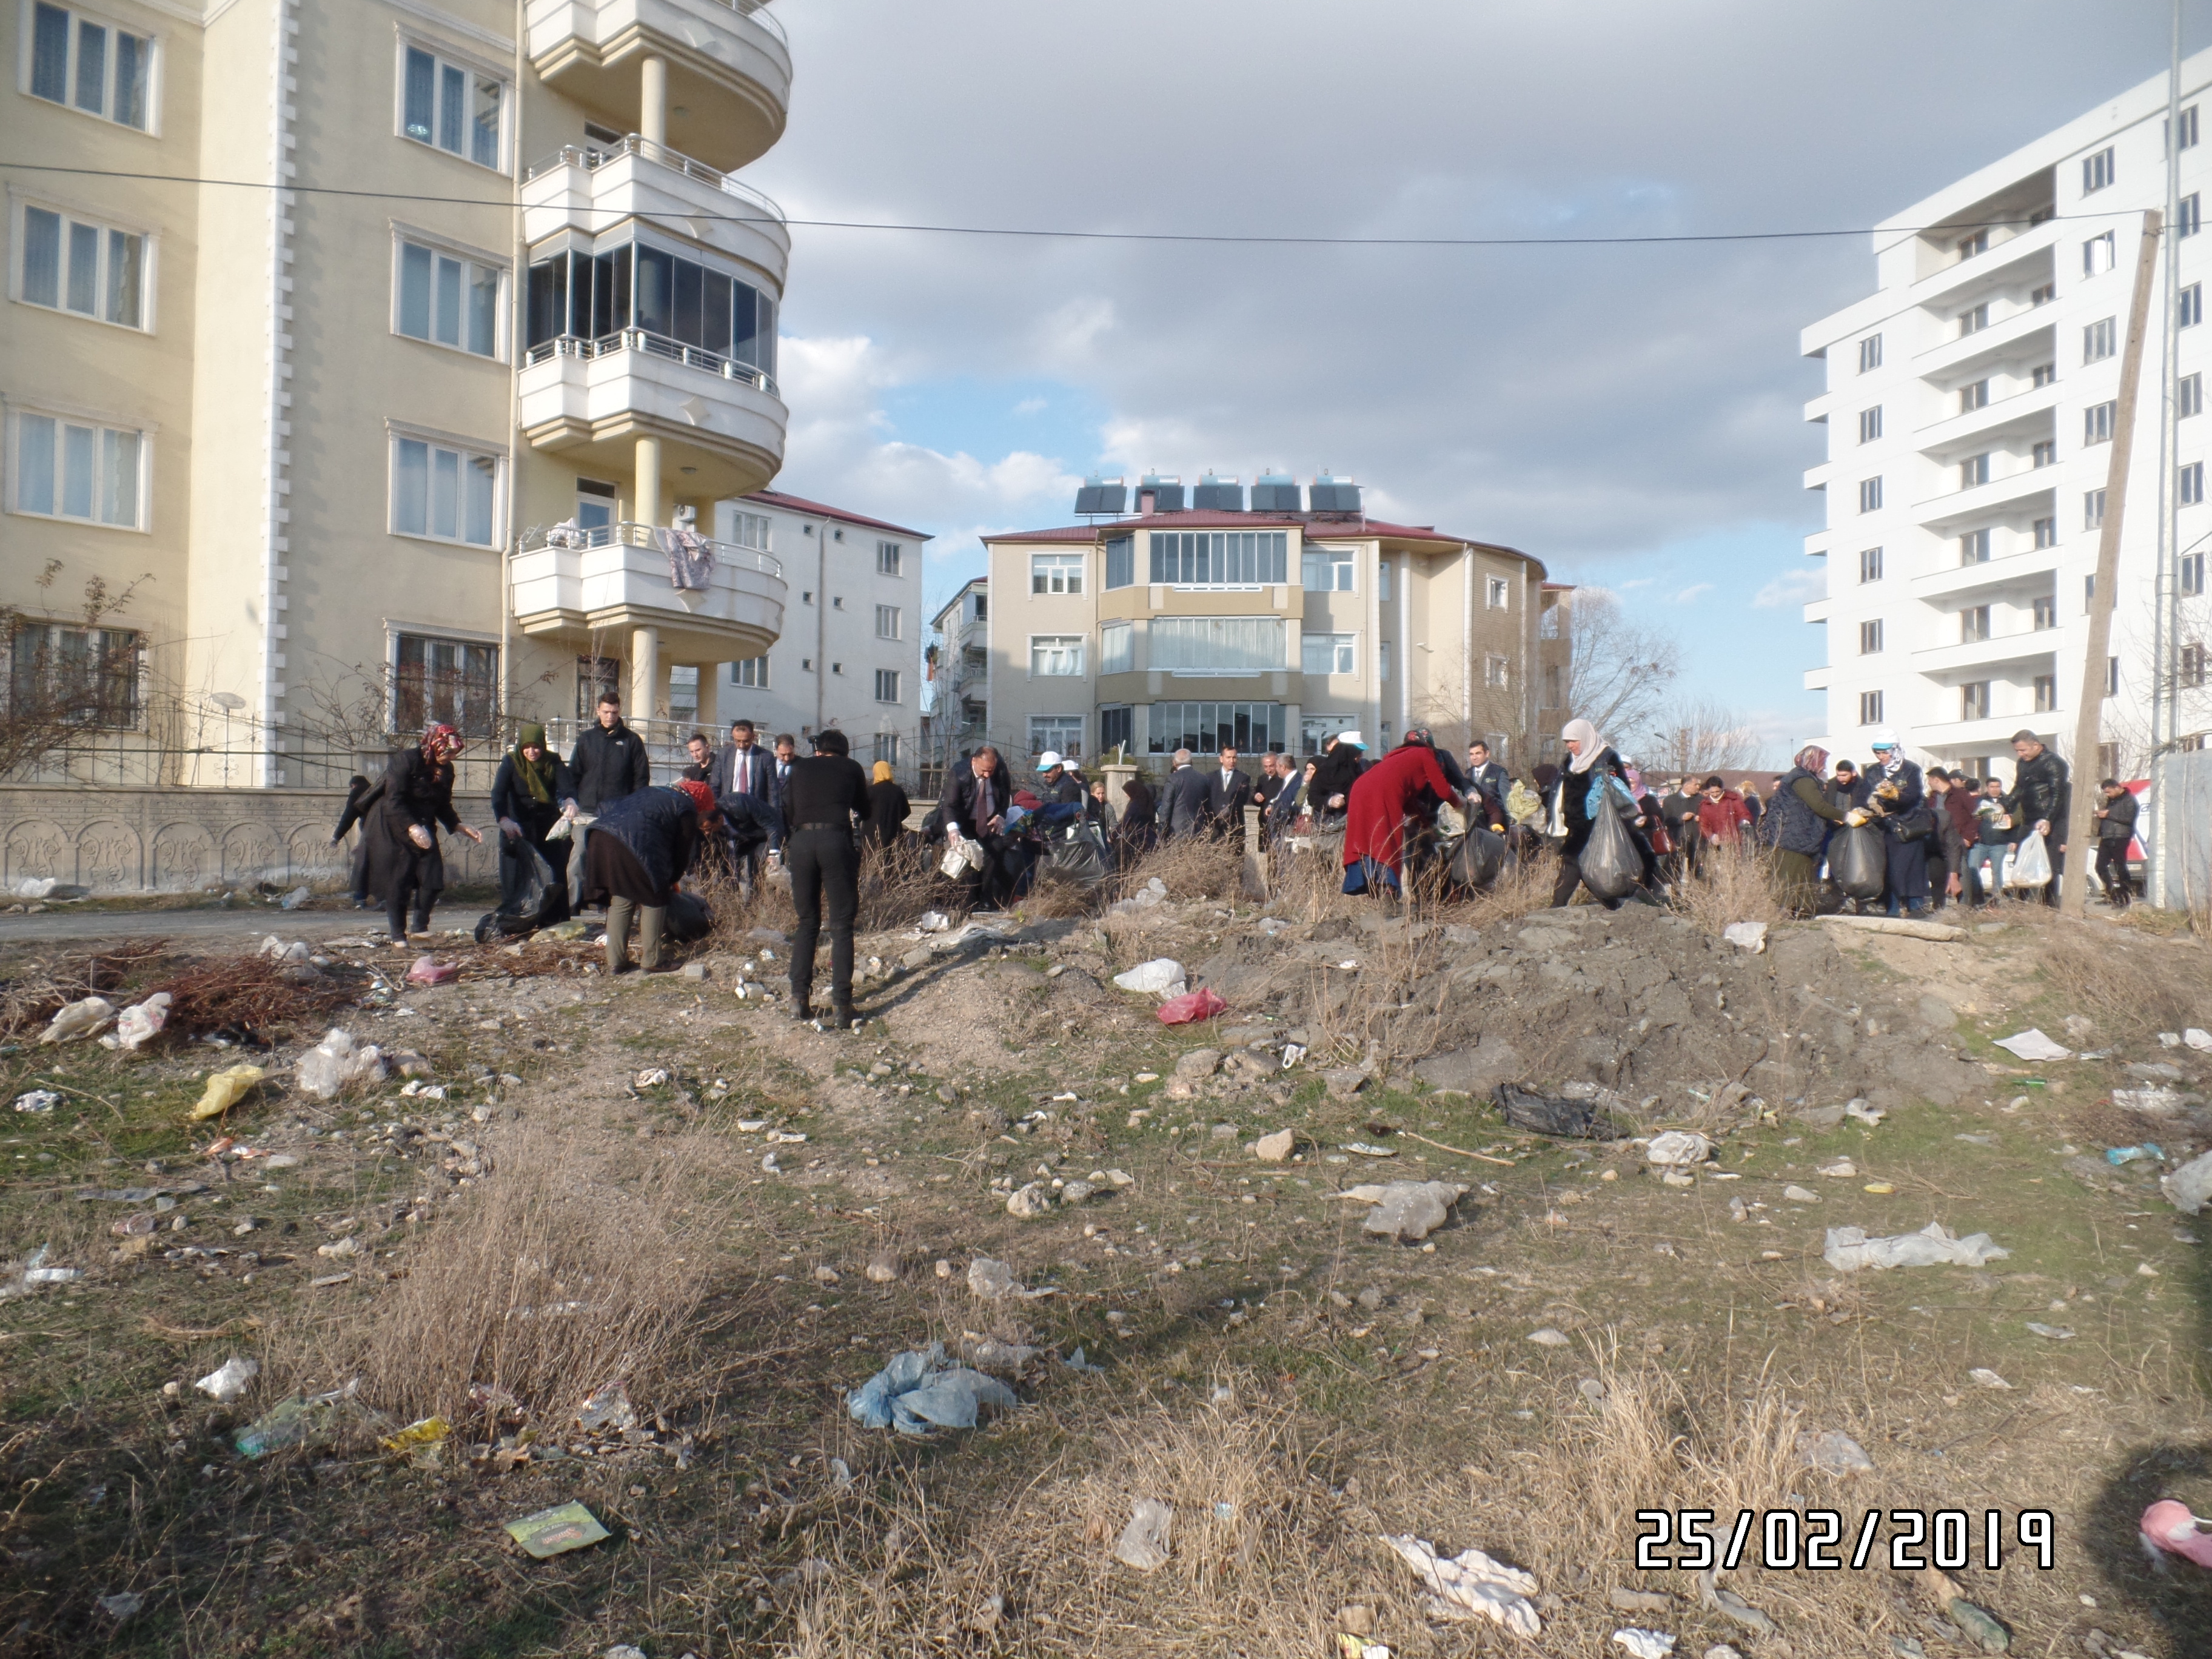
849	655
1970	407
960	672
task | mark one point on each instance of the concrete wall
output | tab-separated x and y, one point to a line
169	840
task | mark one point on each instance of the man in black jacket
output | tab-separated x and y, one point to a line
1182	802
610	762
741	768
1343	759
2038	803
2116	827
823	796
977	792
1228	793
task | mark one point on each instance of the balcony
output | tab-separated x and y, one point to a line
2026	335
2029	484
1990	735
2025	260
729	68
1816	680
593	188
603	582
2027	414
720	422
2033	569
1968	655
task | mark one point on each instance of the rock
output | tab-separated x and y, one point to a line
826	1275
1199	1062
1548	1338
1833	1452
1344	1082
989	1280
1224	1131
2189	1187
1820	1117
1075	1192
1637	1600
1028	1202
1478	1070
1409	1210
1678	1148
696	970
1798	1196
1276	1147
883	1268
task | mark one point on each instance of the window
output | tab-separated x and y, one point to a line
1329	653
2046	532
595	504
1498	593
1870	637
2092	509
1328	569
1974	470
1060	732
836	667
1205	727
890	555
1972	397
1383	581
637	285
750	530
2047	693
1056	573
1382	660
71	264
837	601
2189	396
453	108
1974	704
83	676
2089	593
1974	547
1494	670
1869	708
2043	295
2097	342
750	671
595	675
2043	374
1117	728
1056	655
2192	667
1869	494
2189	218
2188	141
806	665
2044	613
2097	423
980	607
2190	305
1121	562
1870	353
887	622
1974	624
447	494
95	67
2045	454
1870	564
1233	559
448	301
887	748
2111	680
2189	483
1217	644
683	693
452	681
1117	649
2098	254
1870	424
887	685
2192	575
2097	171
2108	760
1974	319
65	470
1969	247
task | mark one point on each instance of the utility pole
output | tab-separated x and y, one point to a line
2165	605
2089	723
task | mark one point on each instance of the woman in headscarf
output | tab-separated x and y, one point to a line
1140	806
1799	819
529	793
640	845
888	807
401	818
1593	773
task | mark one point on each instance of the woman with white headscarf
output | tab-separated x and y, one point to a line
1594	771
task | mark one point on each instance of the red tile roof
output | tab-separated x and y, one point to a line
1317	527
776	498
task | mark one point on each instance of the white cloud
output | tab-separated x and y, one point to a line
1792	587
1693	592
1030	406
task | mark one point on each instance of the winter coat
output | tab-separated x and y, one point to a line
1964	825
658	829
887	809
1799	814
1406	780
1140	805
2118	823
968	802
1338	770
1184	800
610	762
2039	792
413	794
1579	793
510	798
1723	820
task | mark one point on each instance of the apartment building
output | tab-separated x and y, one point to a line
1969	403
434	449
1269	625
850	653
960	671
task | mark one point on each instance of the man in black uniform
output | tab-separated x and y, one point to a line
822	798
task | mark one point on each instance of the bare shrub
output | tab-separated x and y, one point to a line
1729	887
1189	866
2133	984
561	1272
40	988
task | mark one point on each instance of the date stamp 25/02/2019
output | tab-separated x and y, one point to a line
1826	1540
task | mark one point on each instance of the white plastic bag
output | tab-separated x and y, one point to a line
955	864
2031	863
336	1063
1161	976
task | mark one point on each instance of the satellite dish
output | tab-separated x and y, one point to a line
229	700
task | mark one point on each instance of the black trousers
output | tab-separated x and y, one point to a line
2112	871
824	863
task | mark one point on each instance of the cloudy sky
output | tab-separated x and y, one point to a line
1632	415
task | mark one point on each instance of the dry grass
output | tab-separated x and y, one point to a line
40	987
1729	887
560	1274
1190	867
2133	984
248	998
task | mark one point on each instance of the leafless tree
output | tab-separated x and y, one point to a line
68	673
1619	669
1701	737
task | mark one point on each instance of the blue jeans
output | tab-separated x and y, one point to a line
1983	861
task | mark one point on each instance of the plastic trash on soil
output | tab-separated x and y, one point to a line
1407	1211
140	1023
225	1088
1834	1452
2169	1527
2147	1152
292	1422
2189	1187
1471	1585
1148	1541
918	1391
989	1280
1644	1644
557	1531
2198	1038
1161	976
933	921
428	971
1850	1249
1191	1006
1555	1114
338	1063
229	1381
2031	1044
1747	936
78	1019
607	1408
1678	1148
37	1100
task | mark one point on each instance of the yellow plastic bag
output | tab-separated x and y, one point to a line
225	1090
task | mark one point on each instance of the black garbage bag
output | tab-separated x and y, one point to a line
531	895
1479	856
1554	1114
689	918
1078	854
1610	862
1857	861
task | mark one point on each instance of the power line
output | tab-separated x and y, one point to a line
507	205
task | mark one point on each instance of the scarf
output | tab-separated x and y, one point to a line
1813	759
1584	733
537	775
697	793
1895	764
883	772
440	743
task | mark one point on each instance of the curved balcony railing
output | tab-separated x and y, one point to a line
591	157
659	345
758	11
629	533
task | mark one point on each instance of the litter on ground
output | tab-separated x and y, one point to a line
1471	1585
1147	1541
557	1531
1850	1249
918	1391
2031	1044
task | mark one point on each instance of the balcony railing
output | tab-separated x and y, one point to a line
591	157
758	11
629	533
659	345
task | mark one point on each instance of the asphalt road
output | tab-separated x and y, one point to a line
248	925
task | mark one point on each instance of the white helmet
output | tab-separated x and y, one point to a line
1884	737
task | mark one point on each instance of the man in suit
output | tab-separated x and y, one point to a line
1228	791
1183	805
741	767
779	777
977	792
1488	779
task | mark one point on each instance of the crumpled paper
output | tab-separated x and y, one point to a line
1471	1585
2031	1044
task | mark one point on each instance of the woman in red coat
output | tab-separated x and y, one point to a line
1406	780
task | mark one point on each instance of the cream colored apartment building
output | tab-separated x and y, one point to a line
388	347
1269	630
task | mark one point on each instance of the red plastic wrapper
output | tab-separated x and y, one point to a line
1201	1003
428	971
